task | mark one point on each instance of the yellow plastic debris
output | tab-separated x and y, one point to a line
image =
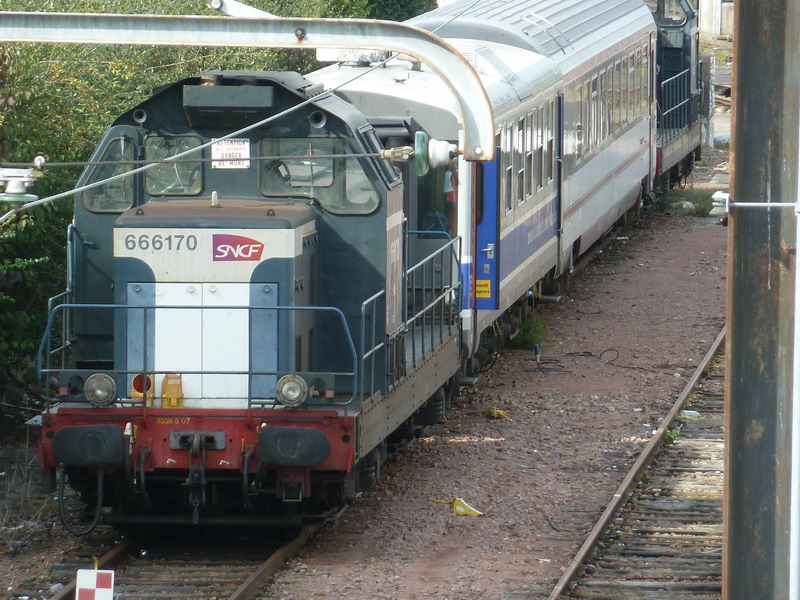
460	507
496	413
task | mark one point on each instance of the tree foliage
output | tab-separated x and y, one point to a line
56	100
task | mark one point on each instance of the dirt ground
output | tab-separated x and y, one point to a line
621	344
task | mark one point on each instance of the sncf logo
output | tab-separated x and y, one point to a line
236	247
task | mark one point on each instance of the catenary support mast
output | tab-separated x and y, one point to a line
762	509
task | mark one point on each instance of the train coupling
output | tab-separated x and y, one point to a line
195	484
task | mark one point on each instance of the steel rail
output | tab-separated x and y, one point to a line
108	560
623	492
255	582
251	586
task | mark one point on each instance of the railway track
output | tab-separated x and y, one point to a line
643	555
666	540
182	570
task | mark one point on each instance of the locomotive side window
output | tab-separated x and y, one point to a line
316	168
387	168
116	195
669	12
172	178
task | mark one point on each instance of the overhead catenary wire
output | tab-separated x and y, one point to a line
108	163
180	155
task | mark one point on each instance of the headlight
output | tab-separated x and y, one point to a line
291	390
100	389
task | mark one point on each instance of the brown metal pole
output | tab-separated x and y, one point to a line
761	284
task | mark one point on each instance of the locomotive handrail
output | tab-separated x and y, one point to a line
67	293
453	247
674	115
44	350
460	77
445	312
376	346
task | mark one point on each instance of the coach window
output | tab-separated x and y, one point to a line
549	155
580	124
644	73
603	105
537	149
607	81
623	82
594	116
117	195
508	169
612	96
519	160
587	107
528	153
601	126
639	81
617	102
632	85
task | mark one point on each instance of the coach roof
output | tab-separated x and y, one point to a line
548	27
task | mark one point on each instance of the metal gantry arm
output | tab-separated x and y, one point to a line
476	112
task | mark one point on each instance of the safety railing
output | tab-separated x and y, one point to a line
432	291
432	297
64	298
372	342
51	355
675	110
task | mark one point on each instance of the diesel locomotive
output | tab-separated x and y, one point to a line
276	280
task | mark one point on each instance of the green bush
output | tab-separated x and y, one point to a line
57	99
531	333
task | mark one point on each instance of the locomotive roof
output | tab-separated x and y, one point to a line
548	27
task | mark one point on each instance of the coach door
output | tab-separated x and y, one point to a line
487	234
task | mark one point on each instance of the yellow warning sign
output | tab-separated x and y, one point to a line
483	288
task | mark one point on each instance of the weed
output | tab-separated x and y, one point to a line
686	202
531	333
672	434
